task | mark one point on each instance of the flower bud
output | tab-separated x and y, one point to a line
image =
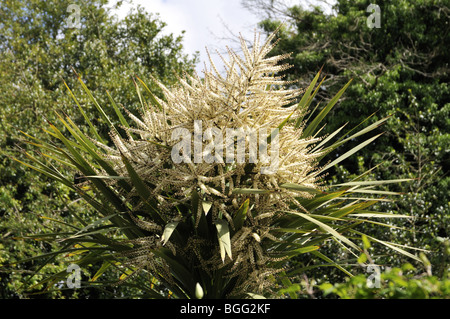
198	291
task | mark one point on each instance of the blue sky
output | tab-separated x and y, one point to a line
205	22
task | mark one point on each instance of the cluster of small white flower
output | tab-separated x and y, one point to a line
251	97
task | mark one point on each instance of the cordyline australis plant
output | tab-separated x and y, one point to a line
206	225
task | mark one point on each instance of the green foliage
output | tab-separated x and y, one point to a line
376	281
395	283
38	52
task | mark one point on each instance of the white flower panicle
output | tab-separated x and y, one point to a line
249	97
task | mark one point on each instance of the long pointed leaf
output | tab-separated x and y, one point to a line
351	152
223	234
310	129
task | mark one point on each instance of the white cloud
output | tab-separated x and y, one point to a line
204	21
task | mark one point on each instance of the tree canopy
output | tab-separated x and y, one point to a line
41	49
401	70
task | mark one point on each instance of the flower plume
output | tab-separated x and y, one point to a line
250	95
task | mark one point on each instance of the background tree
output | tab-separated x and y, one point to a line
39	50
400	69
